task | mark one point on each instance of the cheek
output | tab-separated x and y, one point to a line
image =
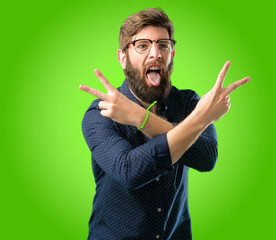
168	60
136	60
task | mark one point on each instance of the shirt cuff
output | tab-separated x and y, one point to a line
161	153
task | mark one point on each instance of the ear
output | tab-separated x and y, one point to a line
173	53
121	55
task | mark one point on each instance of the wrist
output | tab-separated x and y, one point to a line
139	116
200	119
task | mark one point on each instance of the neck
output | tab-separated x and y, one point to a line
153	109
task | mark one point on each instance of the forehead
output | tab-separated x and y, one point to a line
151	32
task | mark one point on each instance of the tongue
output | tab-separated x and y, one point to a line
154	78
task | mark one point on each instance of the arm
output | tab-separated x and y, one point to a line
184	135
154	125
130	166
122	110
202	154
210	108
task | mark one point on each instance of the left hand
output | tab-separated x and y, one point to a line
115	105
214	104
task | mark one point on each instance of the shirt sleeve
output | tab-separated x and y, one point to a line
202	155
131	166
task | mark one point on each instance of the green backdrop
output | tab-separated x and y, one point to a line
49	48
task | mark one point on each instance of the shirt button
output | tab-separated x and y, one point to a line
166	107
159	209
157	179
157	236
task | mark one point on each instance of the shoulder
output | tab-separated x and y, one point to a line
186	97
183	93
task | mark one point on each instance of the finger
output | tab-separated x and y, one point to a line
103	105
94	92
229	106
104	81
104	113
221	76
235	85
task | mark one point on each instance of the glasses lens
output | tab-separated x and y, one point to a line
165	45
142	46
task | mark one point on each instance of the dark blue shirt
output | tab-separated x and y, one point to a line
140	195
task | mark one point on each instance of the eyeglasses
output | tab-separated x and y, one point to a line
144	45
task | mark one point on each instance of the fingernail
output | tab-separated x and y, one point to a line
81	86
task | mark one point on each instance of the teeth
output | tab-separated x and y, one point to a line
154	68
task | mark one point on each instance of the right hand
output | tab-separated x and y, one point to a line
214	104
116	105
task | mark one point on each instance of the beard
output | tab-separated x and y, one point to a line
136	81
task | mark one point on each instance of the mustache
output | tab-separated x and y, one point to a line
160	63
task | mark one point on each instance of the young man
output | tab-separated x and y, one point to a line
145	135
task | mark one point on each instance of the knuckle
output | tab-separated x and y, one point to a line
113	100
112	108
116	95
221	74
96	92
217	91
221	98
110	114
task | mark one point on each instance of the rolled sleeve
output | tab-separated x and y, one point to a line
203	154
161	152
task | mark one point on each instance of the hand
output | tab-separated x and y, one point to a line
115	105
214	104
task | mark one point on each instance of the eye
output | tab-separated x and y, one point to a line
142	45
163	45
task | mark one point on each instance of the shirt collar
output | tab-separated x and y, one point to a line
125	90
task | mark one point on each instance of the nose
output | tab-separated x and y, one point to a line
154	52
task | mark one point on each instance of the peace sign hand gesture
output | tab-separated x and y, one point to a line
115	105
214	104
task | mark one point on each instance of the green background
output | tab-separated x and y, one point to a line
49	48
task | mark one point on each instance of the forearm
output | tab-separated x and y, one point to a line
184	135
155	126
130	166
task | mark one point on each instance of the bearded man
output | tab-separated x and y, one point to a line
145	135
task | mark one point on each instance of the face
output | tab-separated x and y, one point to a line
148	75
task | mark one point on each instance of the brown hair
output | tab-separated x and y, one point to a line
148	17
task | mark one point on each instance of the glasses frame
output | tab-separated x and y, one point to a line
151	41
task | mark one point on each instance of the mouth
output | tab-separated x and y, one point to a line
153	75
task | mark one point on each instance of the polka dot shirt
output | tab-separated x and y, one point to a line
140	195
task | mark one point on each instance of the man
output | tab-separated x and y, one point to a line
145	135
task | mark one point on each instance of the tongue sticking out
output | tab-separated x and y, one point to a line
154	78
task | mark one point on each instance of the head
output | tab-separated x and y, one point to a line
147	72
